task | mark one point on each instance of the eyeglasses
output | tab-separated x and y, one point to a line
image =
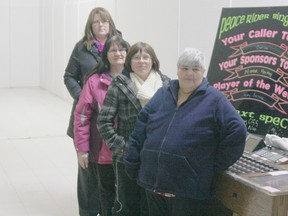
138	58
114	51
97	22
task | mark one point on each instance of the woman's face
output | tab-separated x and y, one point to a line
116	55
100	27
189	78
141	64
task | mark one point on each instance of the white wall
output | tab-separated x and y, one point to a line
169	26
63	23
19	42
39	35
5	43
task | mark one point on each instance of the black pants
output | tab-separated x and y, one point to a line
107	188
130	197
88	191
172	206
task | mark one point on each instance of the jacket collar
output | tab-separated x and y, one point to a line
105	78
124	82
174	87
95	53
126	73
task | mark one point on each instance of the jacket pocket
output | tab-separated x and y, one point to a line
176	173
167	172
148	167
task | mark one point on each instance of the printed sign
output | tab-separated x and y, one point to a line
249	65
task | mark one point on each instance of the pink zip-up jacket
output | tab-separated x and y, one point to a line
86	135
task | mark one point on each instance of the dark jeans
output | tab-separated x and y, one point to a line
106	179
88	191
130	197
172	206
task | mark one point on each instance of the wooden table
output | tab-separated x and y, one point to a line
246	197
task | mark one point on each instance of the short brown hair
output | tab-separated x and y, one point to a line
141	46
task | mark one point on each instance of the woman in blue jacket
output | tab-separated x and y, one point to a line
184	135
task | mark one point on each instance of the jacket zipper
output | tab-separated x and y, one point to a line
162	143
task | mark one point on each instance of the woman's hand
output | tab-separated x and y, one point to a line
83	159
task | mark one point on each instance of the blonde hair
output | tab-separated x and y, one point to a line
88	34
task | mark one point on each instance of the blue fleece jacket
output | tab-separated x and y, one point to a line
179	150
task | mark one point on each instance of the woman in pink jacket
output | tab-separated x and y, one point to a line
93	154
